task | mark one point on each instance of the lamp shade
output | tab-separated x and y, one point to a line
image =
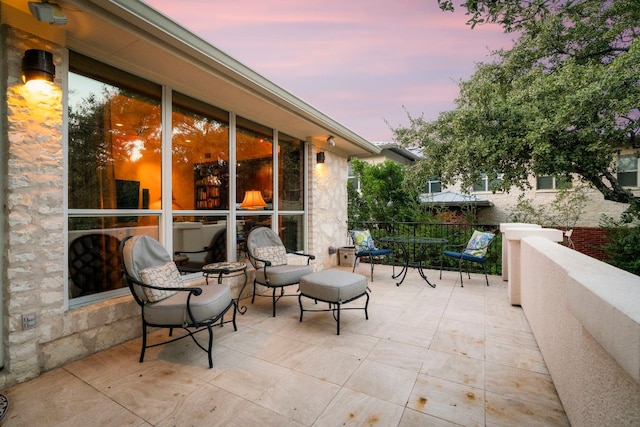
253	200
38	65
320	157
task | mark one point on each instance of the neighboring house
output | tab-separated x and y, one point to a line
499	205
145	128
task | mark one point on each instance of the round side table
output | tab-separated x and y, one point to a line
224	269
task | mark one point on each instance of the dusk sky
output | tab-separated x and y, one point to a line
361	62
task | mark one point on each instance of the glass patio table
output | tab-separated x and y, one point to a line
416	246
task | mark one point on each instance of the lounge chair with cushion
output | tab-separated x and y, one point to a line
166	300
268	256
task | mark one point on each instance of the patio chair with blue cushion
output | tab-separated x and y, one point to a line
166	300
475	252
365	248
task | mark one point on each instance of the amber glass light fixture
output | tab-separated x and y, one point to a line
253	200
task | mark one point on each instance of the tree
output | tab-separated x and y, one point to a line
562	101
382	195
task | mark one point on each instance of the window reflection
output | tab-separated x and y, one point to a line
94	260
200	155
254	153
290	173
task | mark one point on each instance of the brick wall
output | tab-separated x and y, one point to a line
589	241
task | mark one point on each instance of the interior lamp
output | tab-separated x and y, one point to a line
253	200
38	65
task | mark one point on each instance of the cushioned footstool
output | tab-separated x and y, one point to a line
335	287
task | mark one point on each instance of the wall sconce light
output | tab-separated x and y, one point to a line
320	157
38	65
253	200
331	141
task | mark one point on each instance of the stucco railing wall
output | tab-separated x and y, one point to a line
586	319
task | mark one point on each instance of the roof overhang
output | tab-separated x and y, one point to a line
135	37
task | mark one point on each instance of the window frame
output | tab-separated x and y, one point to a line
163	216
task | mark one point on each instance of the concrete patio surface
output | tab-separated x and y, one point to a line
443	356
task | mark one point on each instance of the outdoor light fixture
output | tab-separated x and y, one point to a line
253	200
331	141
320	157
38	65
48	12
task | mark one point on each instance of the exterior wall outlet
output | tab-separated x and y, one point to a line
29	321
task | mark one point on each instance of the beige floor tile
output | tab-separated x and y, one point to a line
451	367
522	385
383	381
298	397
516	357
351	343
507	412
248	376
413	335
59	398
157	392
400	355
206	406
411	418
449	401
351	408
464	315
458	344
253	414
457	327
329	365
522	339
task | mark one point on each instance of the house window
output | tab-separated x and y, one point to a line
291	191
116	178
628	170
433	186
547	182
485	184
351	177
114	159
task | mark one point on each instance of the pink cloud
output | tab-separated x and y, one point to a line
358	61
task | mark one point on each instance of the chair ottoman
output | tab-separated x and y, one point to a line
335	287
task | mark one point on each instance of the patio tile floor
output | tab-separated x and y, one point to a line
430	357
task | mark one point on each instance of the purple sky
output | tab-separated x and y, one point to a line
361	62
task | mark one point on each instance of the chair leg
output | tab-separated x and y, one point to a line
371	261
338	319
274	302
460	270
209	349
484	268
144	341
355	260
253	297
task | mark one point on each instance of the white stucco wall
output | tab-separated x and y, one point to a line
586	320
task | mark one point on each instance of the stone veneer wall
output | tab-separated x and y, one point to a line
33	278
327	207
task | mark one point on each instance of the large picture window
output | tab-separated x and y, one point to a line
115	177
114	161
